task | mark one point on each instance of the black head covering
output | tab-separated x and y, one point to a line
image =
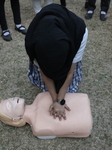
53	39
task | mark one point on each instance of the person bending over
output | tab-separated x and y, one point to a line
37	4
55	44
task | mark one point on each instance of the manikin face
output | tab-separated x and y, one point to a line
13	107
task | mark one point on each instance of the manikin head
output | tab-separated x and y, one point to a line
11	111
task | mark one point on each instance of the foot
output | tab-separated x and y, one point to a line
103	16
6	35
89	14
21	29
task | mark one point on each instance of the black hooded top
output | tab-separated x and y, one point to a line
53	39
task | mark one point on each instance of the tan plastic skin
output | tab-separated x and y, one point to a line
37	115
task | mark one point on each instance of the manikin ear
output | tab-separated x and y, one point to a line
15	119
8	106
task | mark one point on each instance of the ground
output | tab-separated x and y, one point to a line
97	82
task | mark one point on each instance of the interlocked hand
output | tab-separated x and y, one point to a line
58	110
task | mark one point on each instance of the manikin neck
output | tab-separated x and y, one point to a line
29	113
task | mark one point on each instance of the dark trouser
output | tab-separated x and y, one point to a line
16	13
104	5
63	2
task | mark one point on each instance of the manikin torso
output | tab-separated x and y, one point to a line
78	123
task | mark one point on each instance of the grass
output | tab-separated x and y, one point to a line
97	82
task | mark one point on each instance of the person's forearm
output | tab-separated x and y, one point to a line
64	88
66	84
50	86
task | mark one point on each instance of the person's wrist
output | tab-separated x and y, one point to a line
61	101
54	97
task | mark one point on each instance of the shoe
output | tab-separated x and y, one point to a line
89	15
6	37
103	17
23	31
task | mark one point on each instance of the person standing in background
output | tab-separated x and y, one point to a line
86	4
37	4
63	2
17	19
90	5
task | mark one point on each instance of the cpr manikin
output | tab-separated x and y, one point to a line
15	112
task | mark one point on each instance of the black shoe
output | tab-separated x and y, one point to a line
23	31
6	37
89	15
103	17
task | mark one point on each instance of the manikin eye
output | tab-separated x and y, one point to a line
17	100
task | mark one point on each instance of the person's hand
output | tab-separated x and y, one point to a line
58	110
